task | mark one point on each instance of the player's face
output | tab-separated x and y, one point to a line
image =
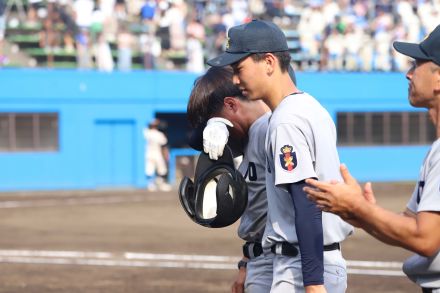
249	77
423	77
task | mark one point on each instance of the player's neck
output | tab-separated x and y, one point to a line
283	89
434	115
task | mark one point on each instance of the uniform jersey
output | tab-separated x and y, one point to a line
253	168
300	144
154	159
426	197
155	140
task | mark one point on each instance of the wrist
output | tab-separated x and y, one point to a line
315	289
242	264
360	208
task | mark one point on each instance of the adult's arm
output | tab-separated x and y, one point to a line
416	232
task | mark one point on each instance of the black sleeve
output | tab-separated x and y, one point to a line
308	223
195	139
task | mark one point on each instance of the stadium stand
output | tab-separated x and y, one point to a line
327	35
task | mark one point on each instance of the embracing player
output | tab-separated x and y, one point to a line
300	144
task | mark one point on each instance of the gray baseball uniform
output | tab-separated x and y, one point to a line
253	220
300	144
425	271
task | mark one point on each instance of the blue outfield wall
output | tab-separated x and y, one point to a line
102	115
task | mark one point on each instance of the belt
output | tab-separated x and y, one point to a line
252	249
289	249
333	246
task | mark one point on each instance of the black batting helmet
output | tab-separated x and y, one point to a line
218	196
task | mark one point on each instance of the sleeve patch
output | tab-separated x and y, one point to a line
288	158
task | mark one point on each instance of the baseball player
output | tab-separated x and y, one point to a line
417	228
300	144
155	163
215	95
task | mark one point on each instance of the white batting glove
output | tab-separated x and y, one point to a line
215	136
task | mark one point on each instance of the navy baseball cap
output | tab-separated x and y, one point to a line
257	36
428	49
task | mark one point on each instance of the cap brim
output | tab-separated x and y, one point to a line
227	59
410	49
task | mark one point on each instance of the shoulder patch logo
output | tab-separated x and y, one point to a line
288	158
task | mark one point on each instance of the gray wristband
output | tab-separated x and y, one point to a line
242	264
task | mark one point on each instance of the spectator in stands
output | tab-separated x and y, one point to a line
374	22
429	14
83	56
125	44
83	11
257	8
382	53
151	50
163	26
155	160
216	36
103	54
239	11
311	28
176	15
107	7
96	23
352	45
69	42
148	12
120	11
194	46
48	40
335	48
32	20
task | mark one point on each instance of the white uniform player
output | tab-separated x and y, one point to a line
425	271
253	220
301	144
155	163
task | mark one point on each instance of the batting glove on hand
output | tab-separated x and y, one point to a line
215	137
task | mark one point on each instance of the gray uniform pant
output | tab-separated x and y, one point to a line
259	274
287	273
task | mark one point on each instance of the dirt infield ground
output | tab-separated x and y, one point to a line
86	242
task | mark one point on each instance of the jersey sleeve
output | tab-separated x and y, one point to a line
430	191
412	203
292	157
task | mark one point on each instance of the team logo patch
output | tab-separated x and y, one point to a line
227	43
288	158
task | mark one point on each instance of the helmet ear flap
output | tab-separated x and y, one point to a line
187	196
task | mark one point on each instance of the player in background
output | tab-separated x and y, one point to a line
417	228
300	144
155	161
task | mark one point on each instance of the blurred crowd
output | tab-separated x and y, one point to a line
357	35
351	35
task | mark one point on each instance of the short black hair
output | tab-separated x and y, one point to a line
208	93
283	58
